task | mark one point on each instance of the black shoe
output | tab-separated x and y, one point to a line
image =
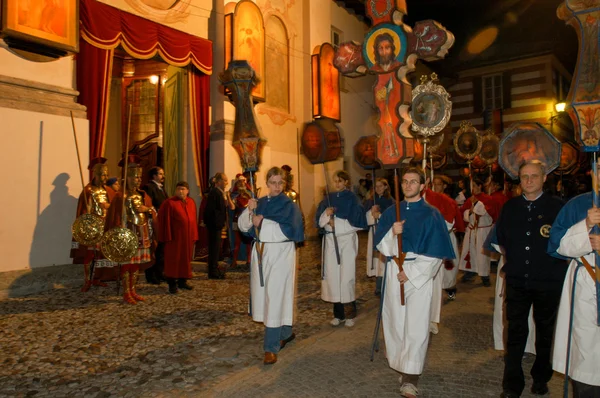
539	388
152	280
486	281
467	277
509	394
216	276
173	288
184	285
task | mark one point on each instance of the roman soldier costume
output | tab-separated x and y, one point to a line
139	217
96	267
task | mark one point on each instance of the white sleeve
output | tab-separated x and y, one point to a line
245	221
449	225
270	231
389	244
479	209
576	241
324	219
370	218
421	269
466	215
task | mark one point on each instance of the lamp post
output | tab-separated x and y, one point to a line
559	107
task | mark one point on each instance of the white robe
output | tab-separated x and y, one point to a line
406	328
474	240
585	341
273	303
449	276
500	323
374	264
338	286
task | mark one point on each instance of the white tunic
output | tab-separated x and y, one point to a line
585	341
374	264
338	286
273	303
405	329
474	240
500	323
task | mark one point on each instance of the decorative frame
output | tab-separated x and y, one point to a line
466	137
490	148
431	108
54	33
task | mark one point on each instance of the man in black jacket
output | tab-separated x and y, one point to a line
532	278
215	218
156	190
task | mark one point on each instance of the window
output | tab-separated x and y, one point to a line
492	92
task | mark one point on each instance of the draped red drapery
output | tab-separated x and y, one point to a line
103	28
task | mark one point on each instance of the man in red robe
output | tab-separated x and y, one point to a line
177	228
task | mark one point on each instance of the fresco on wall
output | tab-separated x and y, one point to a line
277	64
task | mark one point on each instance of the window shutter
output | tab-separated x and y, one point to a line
506	90
477	95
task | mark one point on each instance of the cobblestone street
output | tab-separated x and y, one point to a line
202	343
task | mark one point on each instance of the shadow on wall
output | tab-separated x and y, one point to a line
52	234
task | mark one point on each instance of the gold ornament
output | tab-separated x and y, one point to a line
88	229
545	230
119	245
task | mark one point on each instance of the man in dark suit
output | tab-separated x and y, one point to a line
156	190
215	218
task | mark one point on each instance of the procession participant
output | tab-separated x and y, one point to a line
240	195
342	211
496	193
177	230
446	276
279	224
480	212
383	200
156	190
140	219
571	237
533	278
425	243
114	184
215	217
98	202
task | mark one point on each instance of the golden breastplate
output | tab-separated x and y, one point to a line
97	198
133	202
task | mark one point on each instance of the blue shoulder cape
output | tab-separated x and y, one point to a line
573	212
425	230
284	212
492	238
347	206
381	201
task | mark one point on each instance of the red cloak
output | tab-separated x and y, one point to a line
178	228
447	207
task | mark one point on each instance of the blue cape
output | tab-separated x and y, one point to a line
425	230
347	206
284	212
573	212
492	238
381	201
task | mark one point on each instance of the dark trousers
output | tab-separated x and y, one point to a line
214	251
155	273
340	313
582	390
545	308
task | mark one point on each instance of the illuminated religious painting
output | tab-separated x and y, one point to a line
431	107
326	84
245	40
570	159
384	50
524	142
52	24
467	141
277	64
321	141
365	152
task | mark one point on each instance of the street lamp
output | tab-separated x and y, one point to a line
560	107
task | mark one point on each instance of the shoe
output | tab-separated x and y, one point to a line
216	276
408	390
153	281
336	321
173	288
539	388
185	285
350	322
509	394
451	296
433	328
270	358
283	343
467	277
486	281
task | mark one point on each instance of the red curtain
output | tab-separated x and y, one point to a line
102	29
199	96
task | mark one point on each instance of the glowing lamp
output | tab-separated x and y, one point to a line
560	107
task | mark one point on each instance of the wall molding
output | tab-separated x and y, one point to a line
27	95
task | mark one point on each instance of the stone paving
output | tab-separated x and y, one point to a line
201	343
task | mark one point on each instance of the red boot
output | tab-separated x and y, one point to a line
133	277
125	277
